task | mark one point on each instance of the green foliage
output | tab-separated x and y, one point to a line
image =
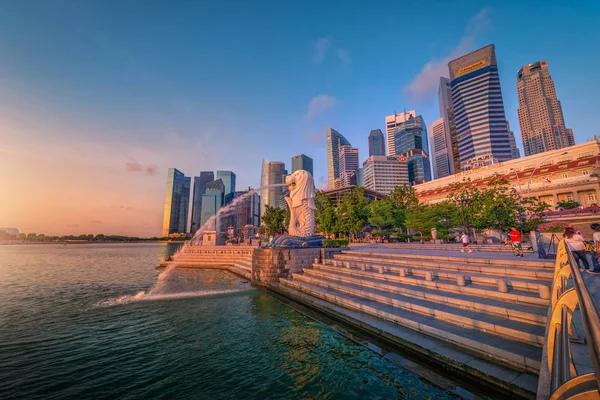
335	242
442	216
567	204
274	219
326	217
353	212
381	216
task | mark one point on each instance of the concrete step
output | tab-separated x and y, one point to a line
446	246
501	326
487	291
518	355
529	272
514	311
244	266
240	272
472	258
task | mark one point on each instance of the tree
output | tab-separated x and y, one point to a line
326	217
353	212
567	204
381	216
31	236
274	219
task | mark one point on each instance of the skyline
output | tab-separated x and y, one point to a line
94	113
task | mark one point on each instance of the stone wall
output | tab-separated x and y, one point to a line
271	263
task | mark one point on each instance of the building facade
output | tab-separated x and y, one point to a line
228	179
175	217
540	112
273	172
557	175
411	142
447	113
383	173
441	153
481	130
302	162
334	140
212	201
336	195
247	212
376	143
199	189
514	150
391	126
348	165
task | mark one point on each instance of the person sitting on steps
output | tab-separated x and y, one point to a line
577	245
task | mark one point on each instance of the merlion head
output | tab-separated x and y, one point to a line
301	186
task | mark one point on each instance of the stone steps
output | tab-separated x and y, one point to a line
446	247
517	295
514	311
244	273
474	319
518	355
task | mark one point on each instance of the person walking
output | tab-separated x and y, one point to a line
596	252
577	245
465	242
515	238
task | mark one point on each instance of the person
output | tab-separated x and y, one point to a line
465	242
250	240
577	245
596	252
515	237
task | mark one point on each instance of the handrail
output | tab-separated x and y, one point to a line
559	378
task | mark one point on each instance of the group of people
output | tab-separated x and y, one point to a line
577	244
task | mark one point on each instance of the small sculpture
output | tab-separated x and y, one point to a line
302	203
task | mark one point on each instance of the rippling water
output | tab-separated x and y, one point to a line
71	328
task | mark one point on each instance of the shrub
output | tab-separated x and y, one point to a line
552	227
335	242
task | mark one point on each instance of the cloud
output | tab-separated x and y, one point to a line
316	137
321	49
134	166
425	85
344	55
319	104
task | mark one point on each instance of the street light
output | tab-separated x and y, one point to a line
536	167
518	181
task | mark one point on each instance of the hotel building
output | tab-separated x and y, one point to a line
382	174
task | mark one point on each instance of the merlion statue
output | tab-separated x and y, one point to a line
302	213
302	203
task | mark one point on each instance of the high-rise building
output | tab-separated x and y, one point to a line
302	162
441	158
540	112
228	179
411	142
360	177
376	143
199	189
273	172
447	112
391	125
348	165
334	141
383	173
514	150
212	201
479	116
247	211
175	217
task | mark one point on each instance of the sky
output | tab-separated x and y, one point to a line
99	98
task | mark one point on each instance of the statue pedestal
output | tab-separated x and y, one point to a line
212	238
271	263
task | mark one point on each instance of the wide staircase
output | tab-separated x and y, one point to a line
236	259
496	247
493	311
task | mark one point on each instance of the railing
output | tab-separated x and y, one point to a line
559	378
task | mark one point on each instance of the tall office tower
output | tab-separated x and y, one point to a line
228	179
514	150
175	217
383	173
391	125
481	129
212	201
199	189
334	141
272	172
348	165
447	112
441	153
302	162
247	210
376	143
360	177
411	142
540	113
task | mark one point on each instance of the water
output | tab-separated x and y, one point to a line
71	328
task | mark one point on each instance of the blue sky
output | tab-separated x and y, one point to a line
98	99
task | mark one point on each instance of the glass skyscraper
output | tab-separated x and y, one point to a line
334	141
212	201
228	179
410	141
175	217
376	143
199	189
302	162
479	117
272	172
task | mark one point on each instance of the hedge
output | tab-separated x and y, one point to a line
335	242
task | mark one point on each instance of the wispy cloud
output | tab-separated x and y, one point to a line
424	86
321	48
344	56
319	104
134	166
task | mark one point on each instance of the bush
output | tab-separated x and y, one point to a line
335	242
552	227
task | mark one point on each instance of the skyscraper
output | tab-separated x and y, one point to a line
441	154
391	125
514	150
334	141
383	173
376	143
228	179
212	201
348	165
175	217
247	211
447	112
411	142
479	116
273	172
540	112
199	189
302	162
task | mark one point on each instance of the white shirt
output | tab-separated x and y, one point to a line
596	238
576	243
465	238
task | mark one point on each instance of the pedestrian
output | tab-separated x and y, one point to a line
596	252
465	242
515	237
577	245
250	240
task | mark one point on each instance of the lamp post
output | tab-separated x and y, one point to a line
518	181
536	167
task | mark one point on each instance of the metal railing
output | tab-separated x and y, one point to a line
559	378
